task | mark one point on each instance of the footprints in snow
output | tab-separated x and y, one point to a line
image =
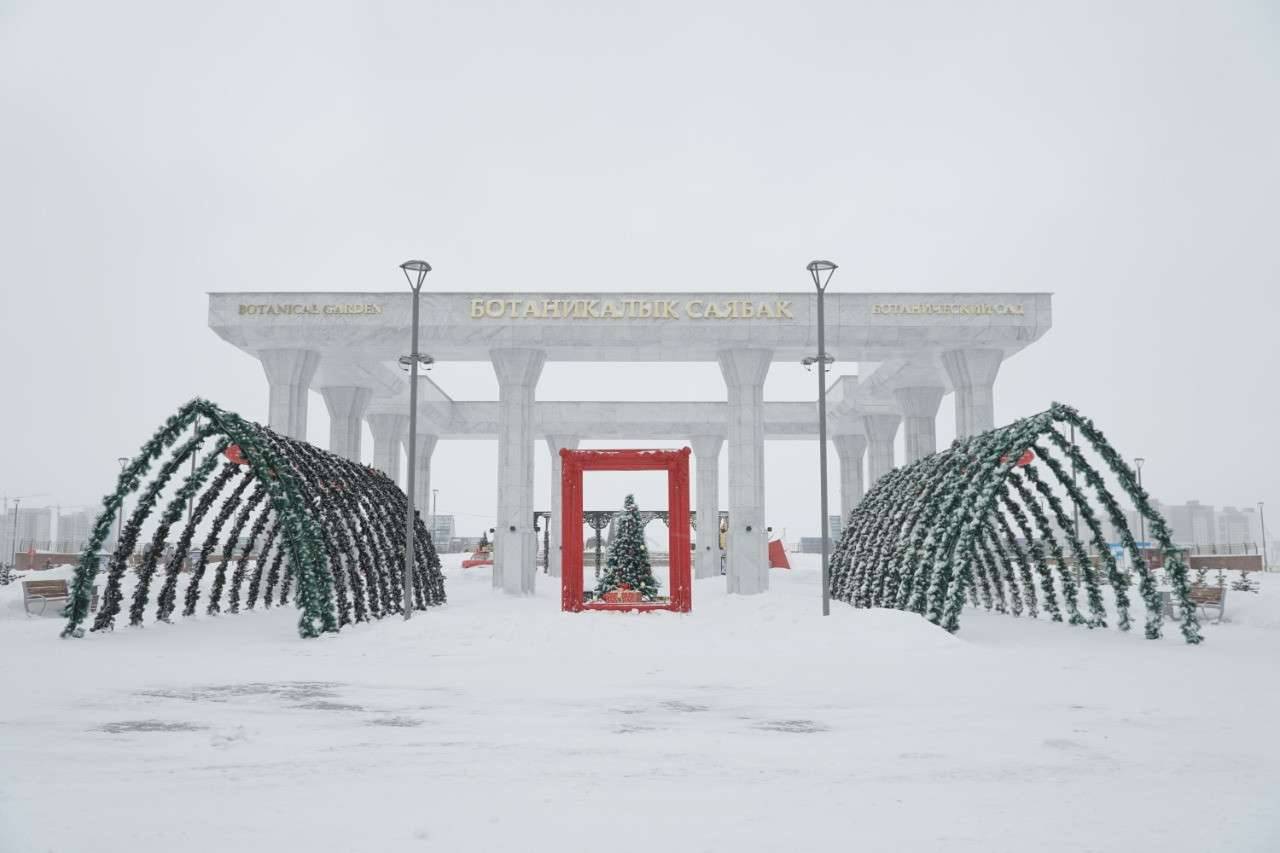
676	706
796	727
301	695
130	726
326	696
684	707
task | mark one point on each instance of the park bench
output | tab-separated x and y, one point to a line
48	591
1204	597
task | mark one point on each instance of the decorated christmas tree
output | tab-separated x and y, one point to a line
628	564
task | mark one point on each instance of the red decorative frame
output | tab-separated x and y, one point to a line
676	464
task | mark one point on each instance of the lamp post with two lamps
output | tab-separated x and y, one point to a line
435	499
821	272
415	272
13	558
1142	521
1262	519
123	460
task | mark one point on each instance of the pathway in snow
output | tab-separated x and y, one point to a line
750	724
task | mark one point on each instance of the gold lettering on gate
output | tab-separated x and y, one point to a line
948	309
629	309
294	309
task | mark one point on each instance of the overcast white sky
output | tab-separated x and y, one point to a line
1124	155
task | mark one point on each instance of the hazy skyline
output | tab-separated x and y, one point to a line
1122	156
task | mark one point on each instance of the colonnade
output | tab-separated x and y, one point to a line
867	429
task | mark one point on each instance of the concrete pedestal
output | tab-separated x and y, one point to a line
747	560
973	375
881	430
289	373
850	450
919	407
346	405
515	545
388	429
706	463
555	554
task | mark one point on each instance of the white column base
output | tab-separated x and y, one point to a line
289	373
881	430
973	375
555	556
706	463
747	560
424	447
515	543
850	450
919	407
387	429
346	405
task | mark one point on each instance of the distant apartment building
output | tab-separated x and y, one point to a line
74	530
32	530
1192	523
1197	525
810	545
1239	527
442	532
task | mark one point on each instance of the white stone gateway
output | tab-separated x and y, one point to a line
914	348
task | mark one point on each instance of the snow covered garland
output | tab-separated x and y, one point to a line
957	526
327	529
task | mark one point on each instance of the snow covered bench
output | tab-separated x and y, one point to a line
47	591
1203	596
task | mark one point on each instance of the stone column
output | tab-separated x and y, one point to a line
346	405
747	562
289	373
426	445
387	429
973	374
554	543
515	544
919	407
850	449
706	463
881	429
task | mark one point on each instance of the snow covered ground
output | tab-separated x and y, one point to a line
751	724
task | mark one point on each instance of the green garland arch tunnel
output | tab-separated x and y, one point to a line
279	521
1011	520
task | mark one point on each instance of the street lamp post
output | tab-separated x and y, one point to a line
821	271
435	495
1142	521
1075	507
1262	519
123	460
415	272
13	560
195	430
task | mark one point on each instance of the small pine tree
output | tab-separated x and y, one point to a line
1245	584
628	562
